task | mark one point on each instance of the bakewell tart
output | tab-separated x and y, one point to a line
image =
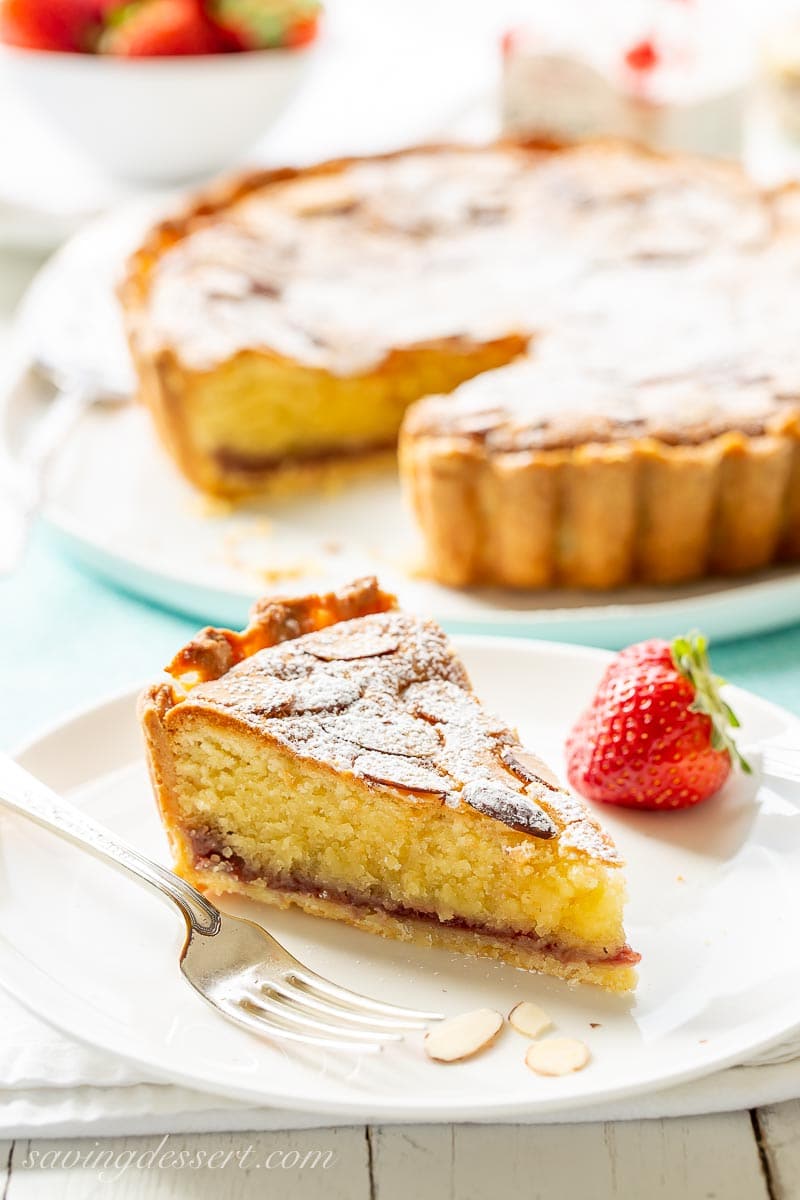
333	756
630	317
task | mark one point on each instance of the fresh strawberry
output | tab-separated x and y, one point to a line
152	28
657	734
52	24
265	24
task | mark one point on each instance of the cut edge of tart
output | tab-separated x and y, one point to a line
334	757
260	420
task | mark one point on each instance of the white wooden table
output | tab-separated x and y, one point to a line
737	1156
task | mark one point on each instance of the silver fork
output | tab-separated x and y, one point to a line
234	964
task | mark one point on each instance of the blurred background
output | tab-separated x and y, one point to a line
383	73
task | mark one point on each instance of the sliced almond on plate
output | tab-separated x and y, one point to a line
529	1019
461	1037
557	1056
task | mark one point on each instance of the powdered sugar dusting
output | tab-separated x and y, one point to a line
658	291
404	717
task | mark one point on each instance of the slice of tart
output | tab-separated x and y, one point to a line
333	756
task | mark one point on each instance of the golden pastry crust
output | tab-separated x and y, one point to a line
212	652
502	498
373	705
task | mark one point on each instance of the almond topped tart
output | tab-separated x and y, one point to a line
333	756
285	322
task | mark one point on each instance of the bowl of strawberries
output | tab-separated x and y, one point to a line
159	91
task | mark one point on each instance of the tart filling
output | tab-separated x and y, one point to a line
214	860
334	756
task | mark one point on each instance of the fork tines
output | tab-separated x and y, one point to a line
304	1007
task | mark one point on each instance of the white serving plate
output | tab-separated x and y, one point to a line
124	511
714	910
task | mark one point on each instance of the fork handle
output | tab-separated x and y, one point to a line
27	795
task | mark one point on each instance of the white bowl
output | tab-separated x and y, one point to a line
159	120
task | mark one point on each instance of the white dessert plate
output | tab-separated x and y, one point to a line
124	511
714	909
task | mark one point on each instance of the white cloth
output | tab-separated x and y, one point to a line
56	1087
